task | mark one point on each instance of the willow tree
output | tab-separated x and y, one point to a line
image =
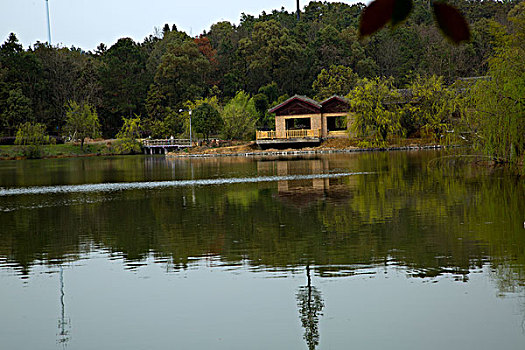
377	113
498	104
433	108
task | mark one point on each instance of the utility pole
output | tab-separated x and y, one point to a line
48	24
298	12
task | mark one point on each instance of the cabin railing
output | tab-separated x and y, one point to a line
261	135
290	134
295	134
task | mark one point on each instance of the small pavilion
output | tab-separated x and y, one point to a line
302	119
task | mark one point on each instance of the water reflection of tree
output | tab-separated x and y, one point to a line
430	219
310	303
64	323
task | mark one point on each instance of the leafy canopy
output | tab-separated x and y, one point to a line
81	121
497	108
206	120
336	80
239	116
127	136
373	117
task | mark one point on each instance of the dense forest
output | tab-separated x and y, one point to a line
269	58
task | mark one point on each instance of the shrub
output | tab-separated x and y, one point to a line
127	138
31	137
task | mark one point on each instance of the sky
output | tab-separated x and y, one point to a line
87	23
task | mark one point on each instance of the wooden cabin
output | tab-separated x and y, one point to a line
302	119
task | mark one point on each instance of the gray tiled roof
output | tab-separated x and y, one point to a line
296	97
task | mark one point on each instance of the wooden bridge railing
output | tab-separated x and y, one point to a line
290	134
167	143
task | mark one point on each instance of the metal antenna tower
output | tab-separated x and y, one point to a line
48	24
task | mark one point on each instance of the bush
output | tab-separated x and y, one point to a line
127	142
31	137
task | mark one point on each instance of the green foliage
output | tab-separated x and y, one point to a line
127	138
337	80
81	121
377	114
432	107
31	137
272	54
179	76
206	120
124	81
497	110
261	106
194	105
271	91
239	116
17	110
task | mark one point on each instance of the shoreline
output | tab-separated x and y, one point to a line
304	152
244	150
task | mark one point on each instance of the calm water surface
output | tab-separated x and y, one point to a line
368	251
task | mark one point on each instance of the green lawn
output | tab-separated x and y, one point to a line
66	150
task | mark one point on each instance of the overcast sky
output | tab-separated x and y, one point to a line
87	23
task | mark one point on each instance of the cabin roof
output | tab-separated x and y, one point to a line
305	99
335	97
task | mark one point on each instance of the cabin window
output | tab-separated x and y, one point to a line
298	123
336	123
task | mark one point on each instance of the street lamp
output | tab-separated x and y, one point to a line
190	130
189	111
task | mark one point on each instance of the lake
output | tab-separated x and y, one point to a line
397	250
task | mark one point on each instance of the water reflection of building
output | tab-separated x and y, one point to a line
303	191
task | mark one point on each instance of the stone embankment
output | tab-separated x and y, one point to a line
250	149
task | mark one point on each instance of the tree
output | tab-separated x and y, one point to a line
433	106
81	121
127	136
261	104
272	54
239	116
497	111
271	91
17	110
377	113
31	137
124	81
337	80
206	120
181	74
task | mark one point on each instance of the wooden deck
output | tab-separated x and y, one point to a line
290	134
163	146
292	137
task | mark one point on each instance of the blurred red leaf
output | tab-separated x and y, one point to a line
401	11
375	16
451	22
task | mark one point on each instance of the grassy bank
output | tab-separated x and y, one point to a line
58	151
